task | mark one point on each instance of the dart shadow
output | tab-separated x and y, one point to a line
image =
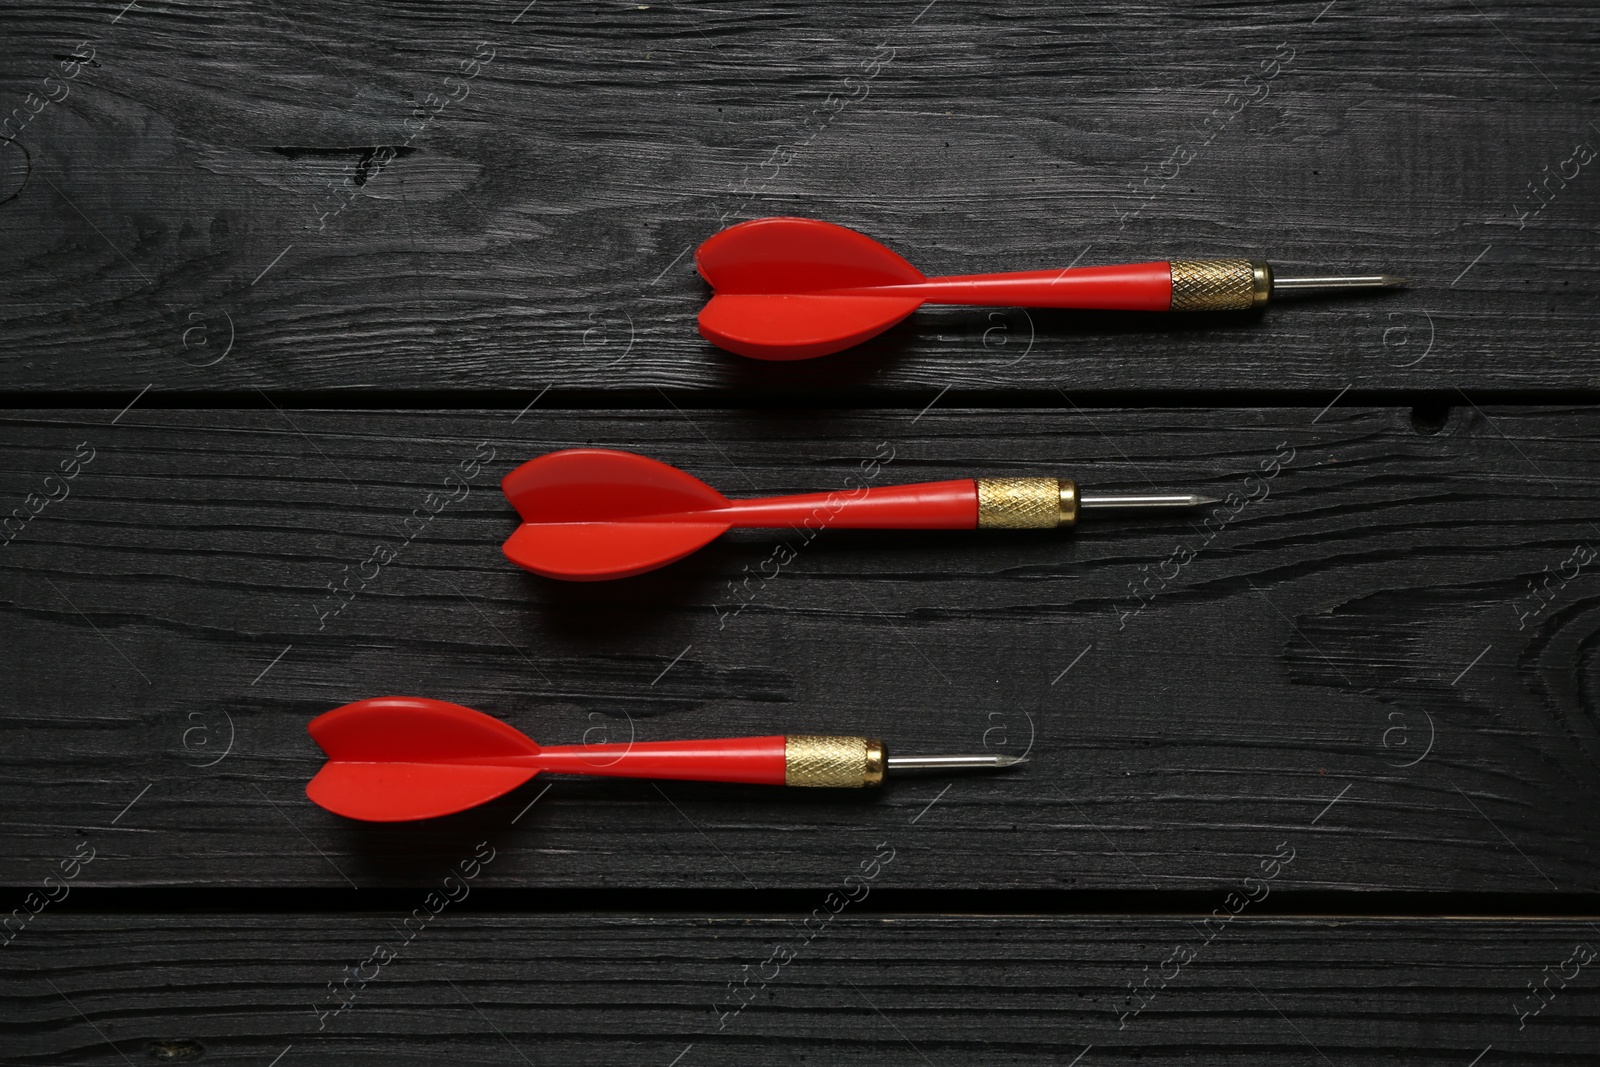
683	597
422	853
640	606
994	338
1067	323
750	801
976	544
684	601
1028	330
825	380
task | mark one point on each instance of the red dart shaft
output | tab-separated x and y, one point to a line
951	505
753	760
1126	287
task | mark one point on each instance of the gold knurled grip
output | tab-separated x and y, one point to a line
832	762
1026	503
1219	284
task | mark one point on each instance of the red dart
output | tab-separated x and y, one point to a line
392	759
796	288
591	513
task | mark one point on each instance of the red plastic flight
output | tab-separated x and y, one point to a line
393	759
591	513
790	288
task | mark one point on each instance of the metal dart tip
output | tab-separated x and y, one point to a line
1314	286
988	761
1095	501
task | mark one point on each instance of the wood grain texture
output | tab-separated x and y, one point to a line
480	989
1352	661
189	194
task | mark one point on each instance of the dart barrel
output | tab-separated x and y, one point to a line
832	762
1026	503
1219	284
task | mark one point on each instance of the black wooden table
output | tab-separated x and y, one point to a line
1314	783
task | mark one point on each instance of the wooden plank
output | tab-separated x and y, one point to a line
1352	661
473	988
212	182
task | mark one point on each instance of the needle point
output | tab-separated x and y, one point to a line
1139	501
986	761
1322	285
